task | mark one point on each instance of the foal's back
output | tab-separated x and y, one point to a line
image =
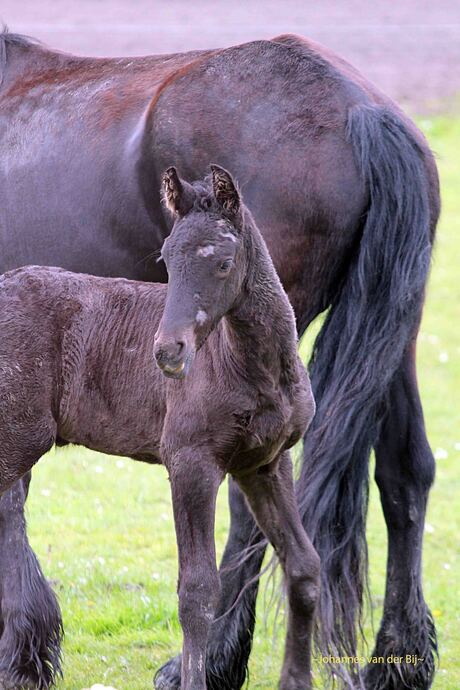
76	353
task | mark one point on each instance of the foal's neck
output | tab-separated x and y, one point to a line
260	330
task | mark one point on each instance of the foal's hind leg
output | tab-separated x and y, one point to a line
31	622
270	493
404	474
194	484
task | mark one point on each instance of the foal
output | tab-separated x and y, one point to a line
229	394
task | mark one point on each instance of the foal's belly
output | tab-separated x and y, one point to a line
122	425
114	441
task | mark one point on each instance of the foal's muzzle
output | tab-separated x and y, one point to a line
173	355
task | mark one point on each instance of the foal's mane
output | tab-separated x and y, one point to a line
10	39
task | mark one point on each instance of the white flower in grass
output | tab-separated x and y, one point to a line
99	686
447	566
457	446
429	528
120	464
443	357
46	492
440	454
98	469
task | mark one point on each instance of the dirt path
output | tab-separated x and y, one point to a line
410	48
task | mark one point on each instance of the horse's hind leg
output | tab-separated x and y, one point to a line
404	474
194	485
270	493
30	619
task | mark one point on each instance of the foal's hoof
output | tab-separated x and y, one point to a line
168	676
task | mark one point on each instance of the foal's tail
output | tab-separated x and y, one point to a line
371	320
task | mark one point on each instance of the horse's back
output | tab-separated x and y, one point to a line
73	129
85	142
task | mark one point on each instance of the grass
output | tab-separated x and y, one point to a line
103	528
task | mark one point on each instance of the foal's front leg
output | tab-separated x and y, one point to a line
270	494
195	480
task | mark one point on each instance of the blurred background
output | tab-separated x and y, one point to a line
102	527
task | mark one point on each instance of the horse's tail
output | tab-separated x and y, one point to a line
370	323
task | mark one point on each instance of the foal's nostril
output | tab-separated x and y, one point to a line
159	354
169	353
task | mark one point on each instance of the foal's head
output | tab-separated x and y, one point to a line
205	261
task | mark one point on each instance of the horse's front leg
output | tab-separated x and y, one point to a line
31	624
195	480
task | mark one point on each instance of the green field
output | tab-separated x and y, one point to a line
103	528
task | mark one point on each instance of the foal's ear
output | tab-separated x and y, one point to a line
225	190
178	194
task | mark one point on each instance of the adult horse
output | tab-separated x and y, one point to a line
346	191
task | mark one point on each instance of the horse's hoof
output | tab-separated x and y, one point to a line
168	676
6	683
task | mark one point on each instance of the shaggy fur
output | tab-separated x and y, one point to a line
77	365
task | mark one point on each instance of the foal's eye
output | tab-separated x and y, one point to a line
225	266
